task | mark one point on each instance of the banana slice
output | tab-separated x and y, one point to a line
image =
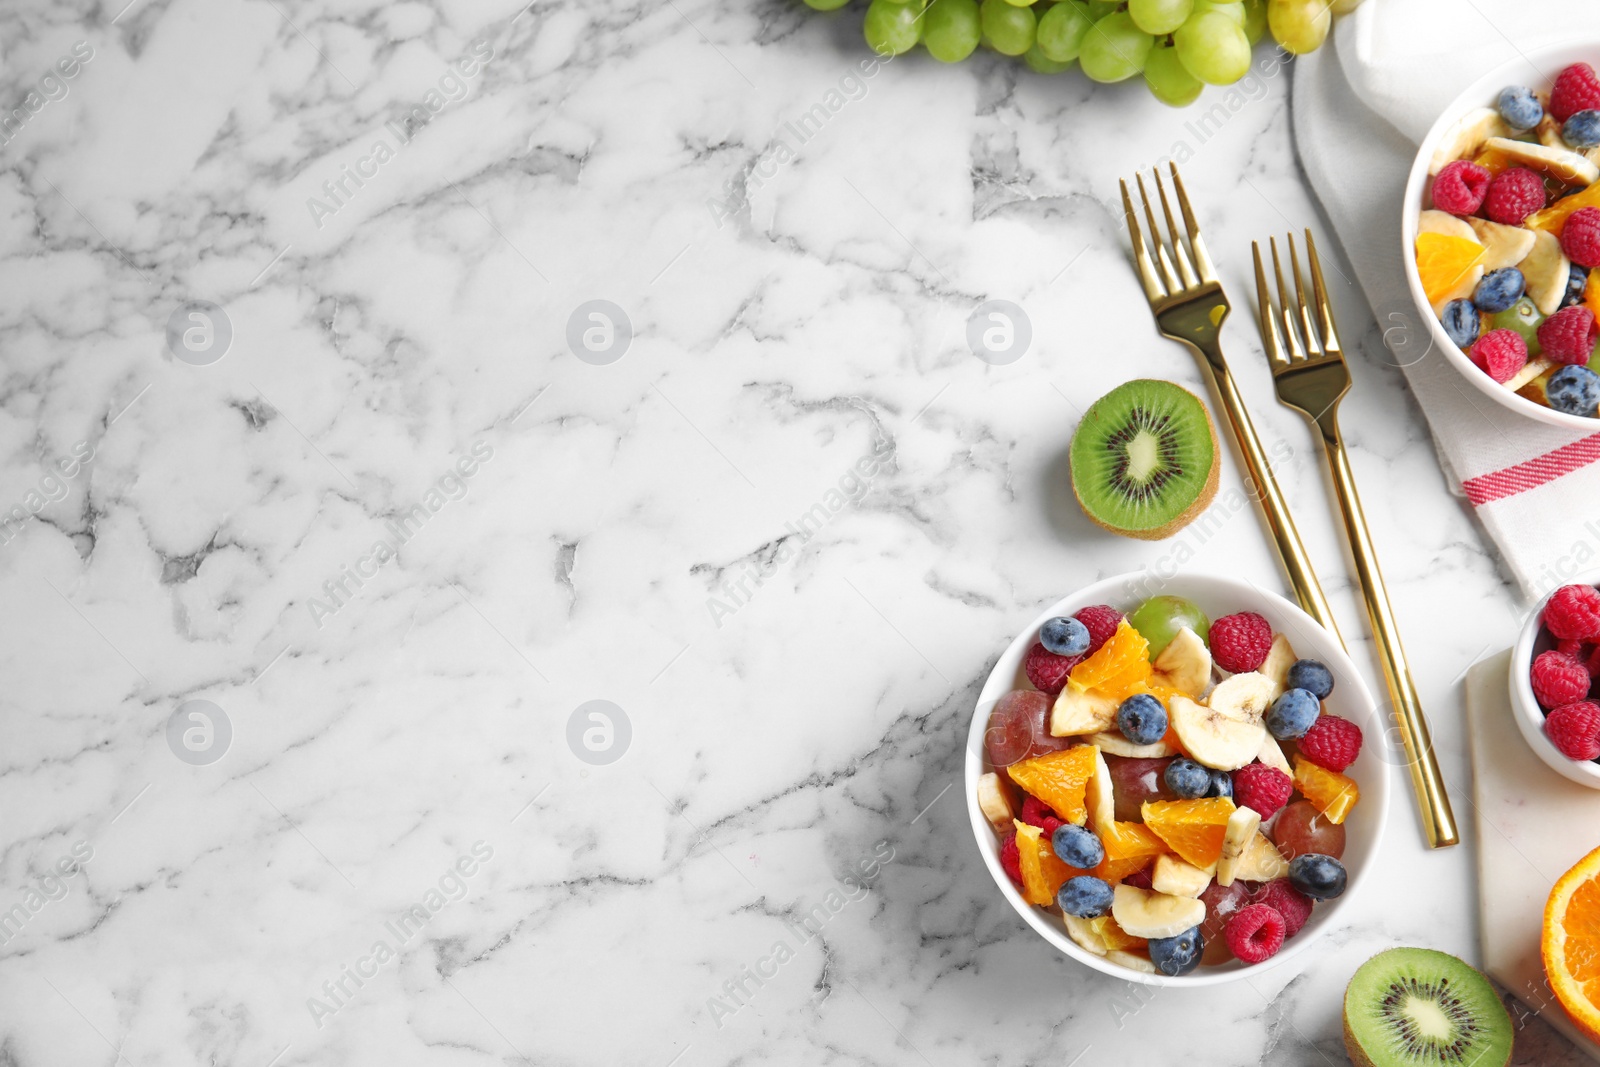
1179	878
1112	743
1549	132
1212	738
1273	756
1131	960
1435	221
1149	915
1561	163
1186	661
1467	136
1504	246
994	800
1535	367
1245	697
1261	862
1081	713
1280	657
1100	799
1546	270
1236	840
1084	934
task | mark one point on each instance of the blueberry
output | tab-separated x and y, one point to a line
1179	954
1520	108
1064	637
1221	784
1187	778
1142	719
1085	897
1499	289
1077	847
1292	714
1311	675
1576	281
1317	876
1575	390
1582	130
1460	322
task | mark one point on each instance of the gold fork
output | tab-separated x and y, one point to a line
1189	306
1309	372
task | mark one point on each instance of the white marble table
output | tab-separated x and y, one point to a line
395	767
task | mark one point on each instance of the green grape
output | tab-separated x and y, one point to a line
1524	318
1169	81
1040	63
1061	30
1159	17
1161	617
1114	49
1099	9
1020	3
1234	9
1255	20
826	5
950	29
1299	25
892	29
1006	28
1212	47
1343	7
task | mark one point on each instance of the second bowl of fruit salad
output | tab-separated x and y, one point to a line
1178	781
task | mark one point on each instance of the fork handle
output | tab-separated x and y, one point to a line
1296	563
1438	820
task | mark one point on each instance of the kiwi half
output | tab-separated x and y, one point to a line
1414	1007
1145	459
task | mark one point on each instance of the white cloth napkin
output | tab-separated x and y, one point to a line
1361	105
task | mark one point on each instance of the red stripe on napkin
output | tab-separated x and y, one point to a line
1532	473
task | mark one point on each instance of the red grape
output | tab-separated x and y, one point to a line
1134	781
1221	902
1016	724
1301	829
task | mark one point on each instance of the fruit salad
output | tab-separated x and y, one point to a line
1511	234
1170	788
1563	674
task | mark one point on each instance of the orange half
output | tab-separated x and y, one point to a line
1570	944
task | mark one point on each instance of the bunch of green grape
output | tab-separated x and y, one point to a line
1180	46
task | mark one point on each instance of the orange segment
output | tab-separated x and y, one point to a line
1194	829
1115	936
1442	262
1117	667
1329	791
1493	161
1130	848
1570	943
1591	293
1060	780
1554	218
1042	870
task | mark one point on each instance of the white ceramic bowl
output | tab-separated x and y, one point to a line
1537	70
1216	597
1529	715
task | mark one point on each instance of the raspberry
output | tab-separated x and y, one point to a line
1046	670
1568	336
1594	662
1575	730
1500	354
1034	812
1580	237
1011	859
1558	679
1332	743
1101	621
1261	788
1460	188
1571	647
1240	642
1576	89
1514	195
1255	932
1286	900
1573	611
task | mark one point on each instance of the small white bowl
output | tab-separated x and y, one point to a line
1529	715
1483	93
1216	597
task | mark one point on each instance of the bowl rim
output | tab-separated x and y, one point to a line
1480	94
1525	707
1248	597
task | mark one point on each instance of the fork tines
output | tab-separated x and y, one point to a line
1303	338
1178	271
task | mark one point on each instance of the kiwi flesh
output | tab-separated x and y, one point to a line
1145	459
1414	1007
